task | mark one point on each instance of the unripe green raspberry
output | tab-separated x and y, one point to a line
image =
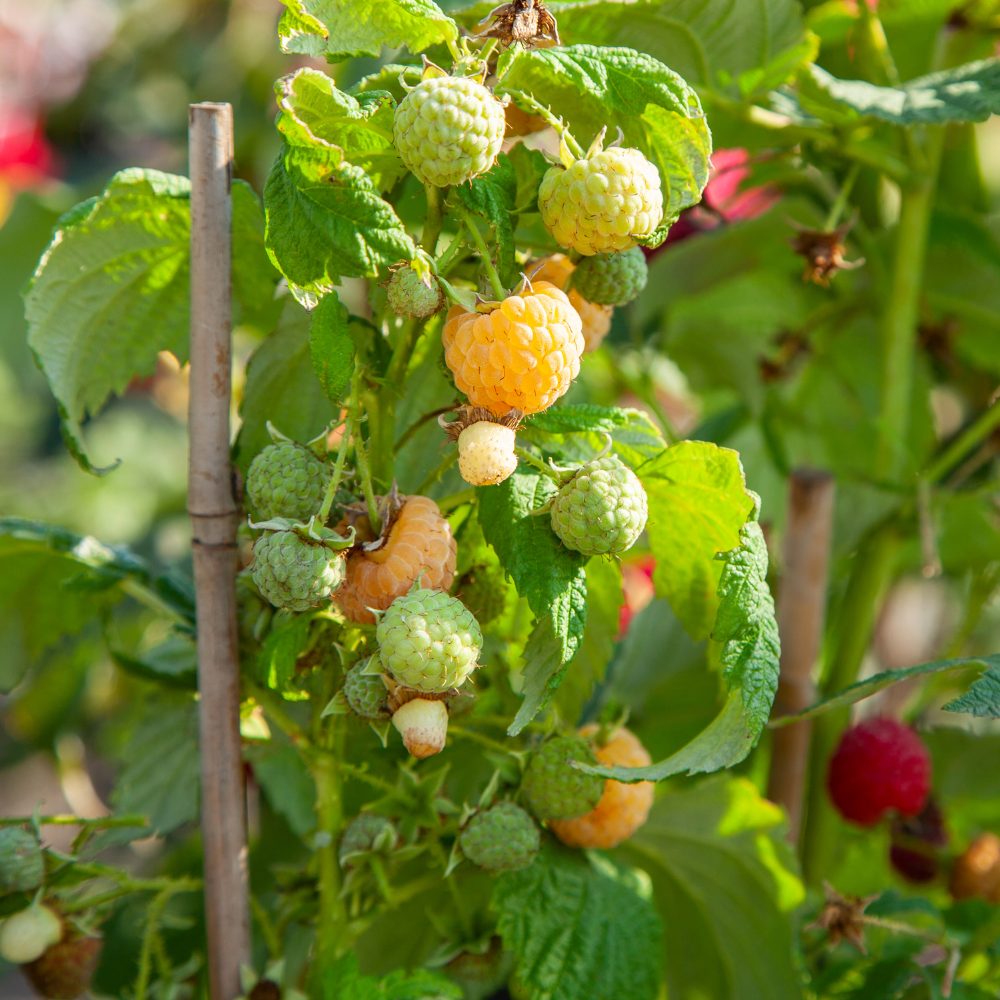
22	866
448	130
293	572
286	480
606	203
366	832
611	279
554	789
502	839
365	693
601	509
409	296
429	641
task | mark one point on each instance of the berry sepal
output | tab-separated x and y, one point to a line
313	529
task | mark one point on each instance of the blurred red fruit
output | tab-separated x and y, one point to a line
637	589
916	842
64	971
879	766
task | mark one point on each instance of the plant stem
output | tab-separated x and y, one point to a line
477	239
144	595
361	456
981	428
855	622
456	500
67	820
437	472
432	224
837	208
338	469
273	706
471	734
407	435
266	926
329	811
360	774
152	930
129	887
447	259
899	321
537	463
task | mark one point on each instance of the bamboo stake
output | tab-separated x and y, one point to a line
801	610
213	513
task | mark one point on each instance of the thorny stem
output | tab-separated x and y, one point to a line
152	931
128	887
837	208
436	473
557	123
538	464
981	428
471	734
432	224
360	774
456	500
338	469
477	239
63	819
445	261
266	926
402	354
425	418
329	812
364	472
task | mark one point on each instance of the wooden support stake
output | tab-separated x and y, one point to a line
213	513
801	611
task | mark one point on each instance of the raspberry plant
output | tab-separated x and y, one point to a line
429	619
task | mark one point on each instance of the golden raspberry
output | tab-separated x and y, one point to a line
486	453
419	540
596	319
622	809
607	201
521	356
976	872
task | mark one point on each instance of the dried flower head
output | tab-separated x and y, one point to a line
824	252
842	917
527	22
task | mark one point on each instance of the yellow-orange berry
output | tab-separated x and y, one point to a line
486	453
595	319
521	356
419	540
976	872
622	809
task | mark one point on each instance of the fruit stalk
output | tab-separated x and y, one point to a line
855	622
213	513
329	812
801	610
480	243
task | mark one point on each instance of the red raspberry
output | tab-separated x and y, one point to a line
879	765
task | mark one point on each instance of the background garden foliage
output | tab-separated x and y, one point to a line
725	374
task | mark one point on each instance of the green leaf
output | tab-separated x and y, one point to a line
331	346
724	881
579	928
878	682
969	93
282	648
604	601
578	418
493	197
341	980
326	220
287	783
160	775
747	627
54	582
173	662
983	698
112	289
656	110
697	504
709	42
343	29
314	113
281	386
544	571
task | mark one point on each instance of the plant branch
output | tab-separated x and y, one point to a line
982	427
338	469
425	418
432	224
63	819
477	239
447	259
364	471
537	463
456	500
437	472
471	734
837	208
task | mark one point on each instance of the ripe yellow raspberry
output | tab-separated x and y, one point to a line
596	319
486	453
622	809
420	539
521	356
604	202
